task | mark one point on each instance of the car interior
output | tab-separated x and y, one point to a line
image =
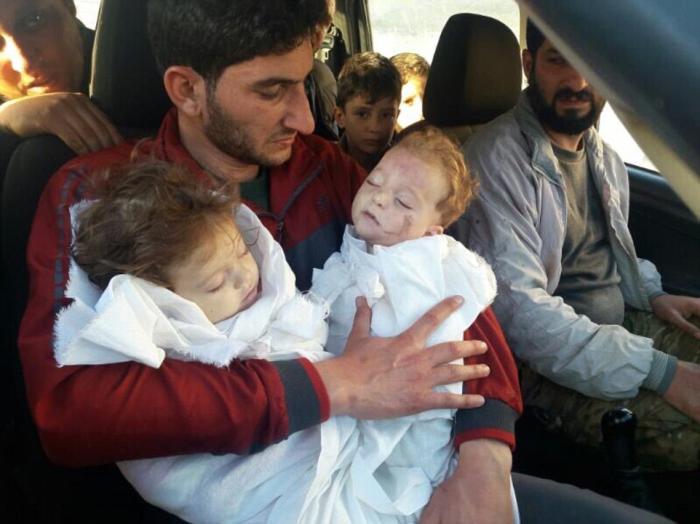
475	76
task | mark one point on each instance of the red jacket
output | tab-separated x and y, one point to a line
89	415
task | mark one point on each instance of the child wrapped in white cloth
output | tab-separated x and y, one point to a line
242	303
396	256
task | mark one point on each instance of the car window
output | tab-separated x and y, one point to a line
87	11
399	26
615	134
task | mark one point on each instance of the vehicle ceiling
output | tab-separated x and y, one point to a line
645	59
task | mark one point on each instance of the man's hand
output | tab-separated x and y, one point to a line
478	491
684	391
391	377
70	116
676	310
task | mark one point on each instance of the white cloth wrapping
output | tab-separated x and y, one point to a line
385	471
134	320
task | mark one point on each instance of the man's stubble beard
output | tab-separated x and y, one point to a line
571	123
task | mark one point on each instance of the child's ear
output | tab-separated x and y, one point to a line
434	230
339	115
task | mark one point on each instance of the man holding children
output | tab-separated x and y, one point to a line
241	116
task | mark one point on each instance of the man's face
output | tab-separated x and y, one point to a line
369	127
41	50
257	107
562	99
398	200
411	107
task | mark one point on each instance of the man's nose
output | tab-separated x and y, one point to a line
575	81
299	117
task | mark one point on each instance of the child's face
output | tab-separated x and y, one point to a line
411	107
368	127
222	281
398	200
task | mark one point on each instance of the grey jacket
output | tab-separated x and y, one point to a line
518	224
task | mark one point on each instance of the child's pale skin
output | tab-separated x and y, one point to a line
221	277
398	200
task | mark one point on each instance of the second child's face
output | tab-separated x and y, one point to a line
398	200
368	127
222	281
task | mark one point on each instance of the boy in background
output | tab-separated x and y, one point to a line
414	70
369	92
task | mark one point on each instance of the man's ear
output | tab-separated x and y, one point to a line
186	88
434	230
339	116
528	62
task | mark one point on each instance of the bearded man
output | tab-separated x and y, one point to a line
587	318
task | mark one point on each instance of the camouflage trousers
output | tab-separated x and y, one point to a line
666	439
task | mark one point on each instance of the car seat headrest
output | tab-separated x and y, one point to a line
475	74
125	81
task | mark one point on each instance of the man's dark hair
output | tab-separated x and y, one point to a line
533	37
211	35
370	75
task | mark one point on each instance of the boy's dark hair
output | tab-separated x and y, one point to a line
370	75
147	216
211	35
412	66
533	37
434	147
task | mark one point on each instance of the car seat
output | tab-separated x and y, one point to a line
127	87
475	74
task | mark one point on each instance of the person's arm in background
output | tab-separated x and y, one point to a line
70	116
89	415
479	490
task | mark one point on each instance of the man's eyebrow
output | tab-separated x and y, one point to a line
269	82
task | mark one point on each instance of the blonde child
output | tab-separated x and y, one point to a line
396	255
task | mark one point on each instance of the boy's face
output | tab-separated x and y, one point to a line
398	200
368	127
222	281
411	108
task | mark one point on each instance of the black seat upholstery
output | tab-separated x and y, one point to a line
126	85
475	74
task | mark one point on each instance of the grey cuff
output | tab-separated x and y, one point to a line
652	296
303	407
663	369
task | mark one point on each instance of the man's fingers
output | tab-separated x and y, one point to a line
108	134
449	351
686	326
426	324
363	319
451	373
437	400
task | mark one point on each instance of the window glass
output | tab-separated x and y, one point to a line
615	134
399	26
87	11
